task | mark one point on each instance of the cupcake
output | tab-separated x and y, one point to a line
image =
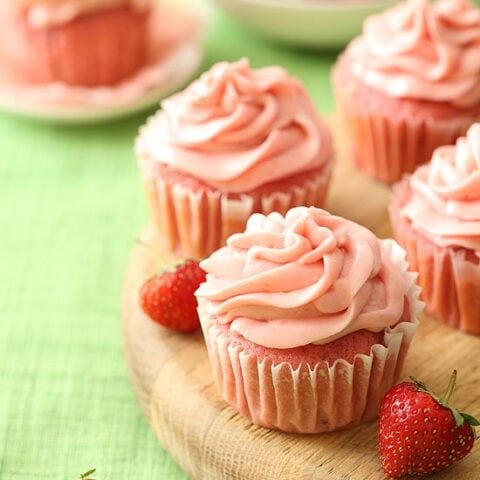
435	215
237	141
76	42
409	83
307	320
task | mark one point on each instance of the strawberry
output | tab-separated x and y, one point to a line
419	432
168	298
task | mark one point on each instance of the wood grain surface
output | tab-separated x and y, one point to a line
171	377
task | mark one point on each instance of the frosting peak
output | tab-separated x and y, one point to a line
308	277
445	200
237	128
422	50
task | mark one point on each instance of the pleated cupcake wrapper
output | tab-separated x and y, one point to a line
385	147
450	281
306	399
196	223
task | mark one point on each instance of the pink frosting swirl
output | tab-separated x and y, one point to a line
308	277
52	13
445	200
236	129
422	50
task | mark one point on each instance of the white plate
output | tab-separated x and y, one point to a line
307	23
176	52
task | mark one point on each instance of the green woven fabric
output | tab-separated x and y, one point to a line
71	205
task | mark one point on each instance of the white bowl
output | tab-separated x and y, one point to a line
306	23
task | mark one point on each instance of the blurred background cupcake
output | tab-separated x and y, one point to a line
409	83
307	320
435	214
236	142
77	42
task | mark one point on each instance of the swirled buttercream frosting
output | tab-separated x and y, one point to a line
51	13
308	277
445	194
237	128
422	50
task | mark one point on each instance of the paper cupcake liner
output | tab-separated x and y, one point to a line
305	399
196	223
449	277
385	147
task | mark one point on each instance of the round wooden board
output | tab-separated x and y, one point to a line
171	377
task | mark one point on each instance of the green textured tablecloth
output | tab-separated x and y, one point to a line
71	205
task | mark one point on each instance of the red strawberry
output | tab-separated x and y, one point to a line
168	298
419	432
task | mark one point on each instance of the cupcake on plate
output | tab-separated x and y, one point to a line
86	43
307	319
235	142
409	83
435	215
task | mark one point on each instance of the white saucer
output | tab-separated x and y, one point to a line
176	52
305	23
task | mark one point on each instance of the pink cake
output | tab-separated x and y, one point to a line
435	215
236	142
77	42
409	83
307	320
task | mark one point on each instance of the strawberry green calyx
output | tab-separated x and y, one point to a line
86	475
460	417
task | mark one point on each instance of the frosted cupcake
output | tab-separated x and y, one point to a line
307	320
409	83
236	142
76	42
435	215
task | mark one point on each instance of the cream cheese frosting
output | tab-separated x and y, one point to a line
308	277
445	199
237	128
49	13
422	50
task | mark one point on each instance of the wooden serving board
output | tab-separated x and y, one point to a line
210	441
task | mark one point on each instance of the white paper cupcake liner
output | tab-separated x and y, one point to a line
449	277
319	399
385	146
196	223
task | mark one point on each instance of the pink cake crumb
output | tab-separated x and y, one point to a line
197	185
346	347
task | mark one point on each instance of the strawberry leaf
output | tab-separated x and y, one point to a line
470	419
419	385
459	419
83	476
